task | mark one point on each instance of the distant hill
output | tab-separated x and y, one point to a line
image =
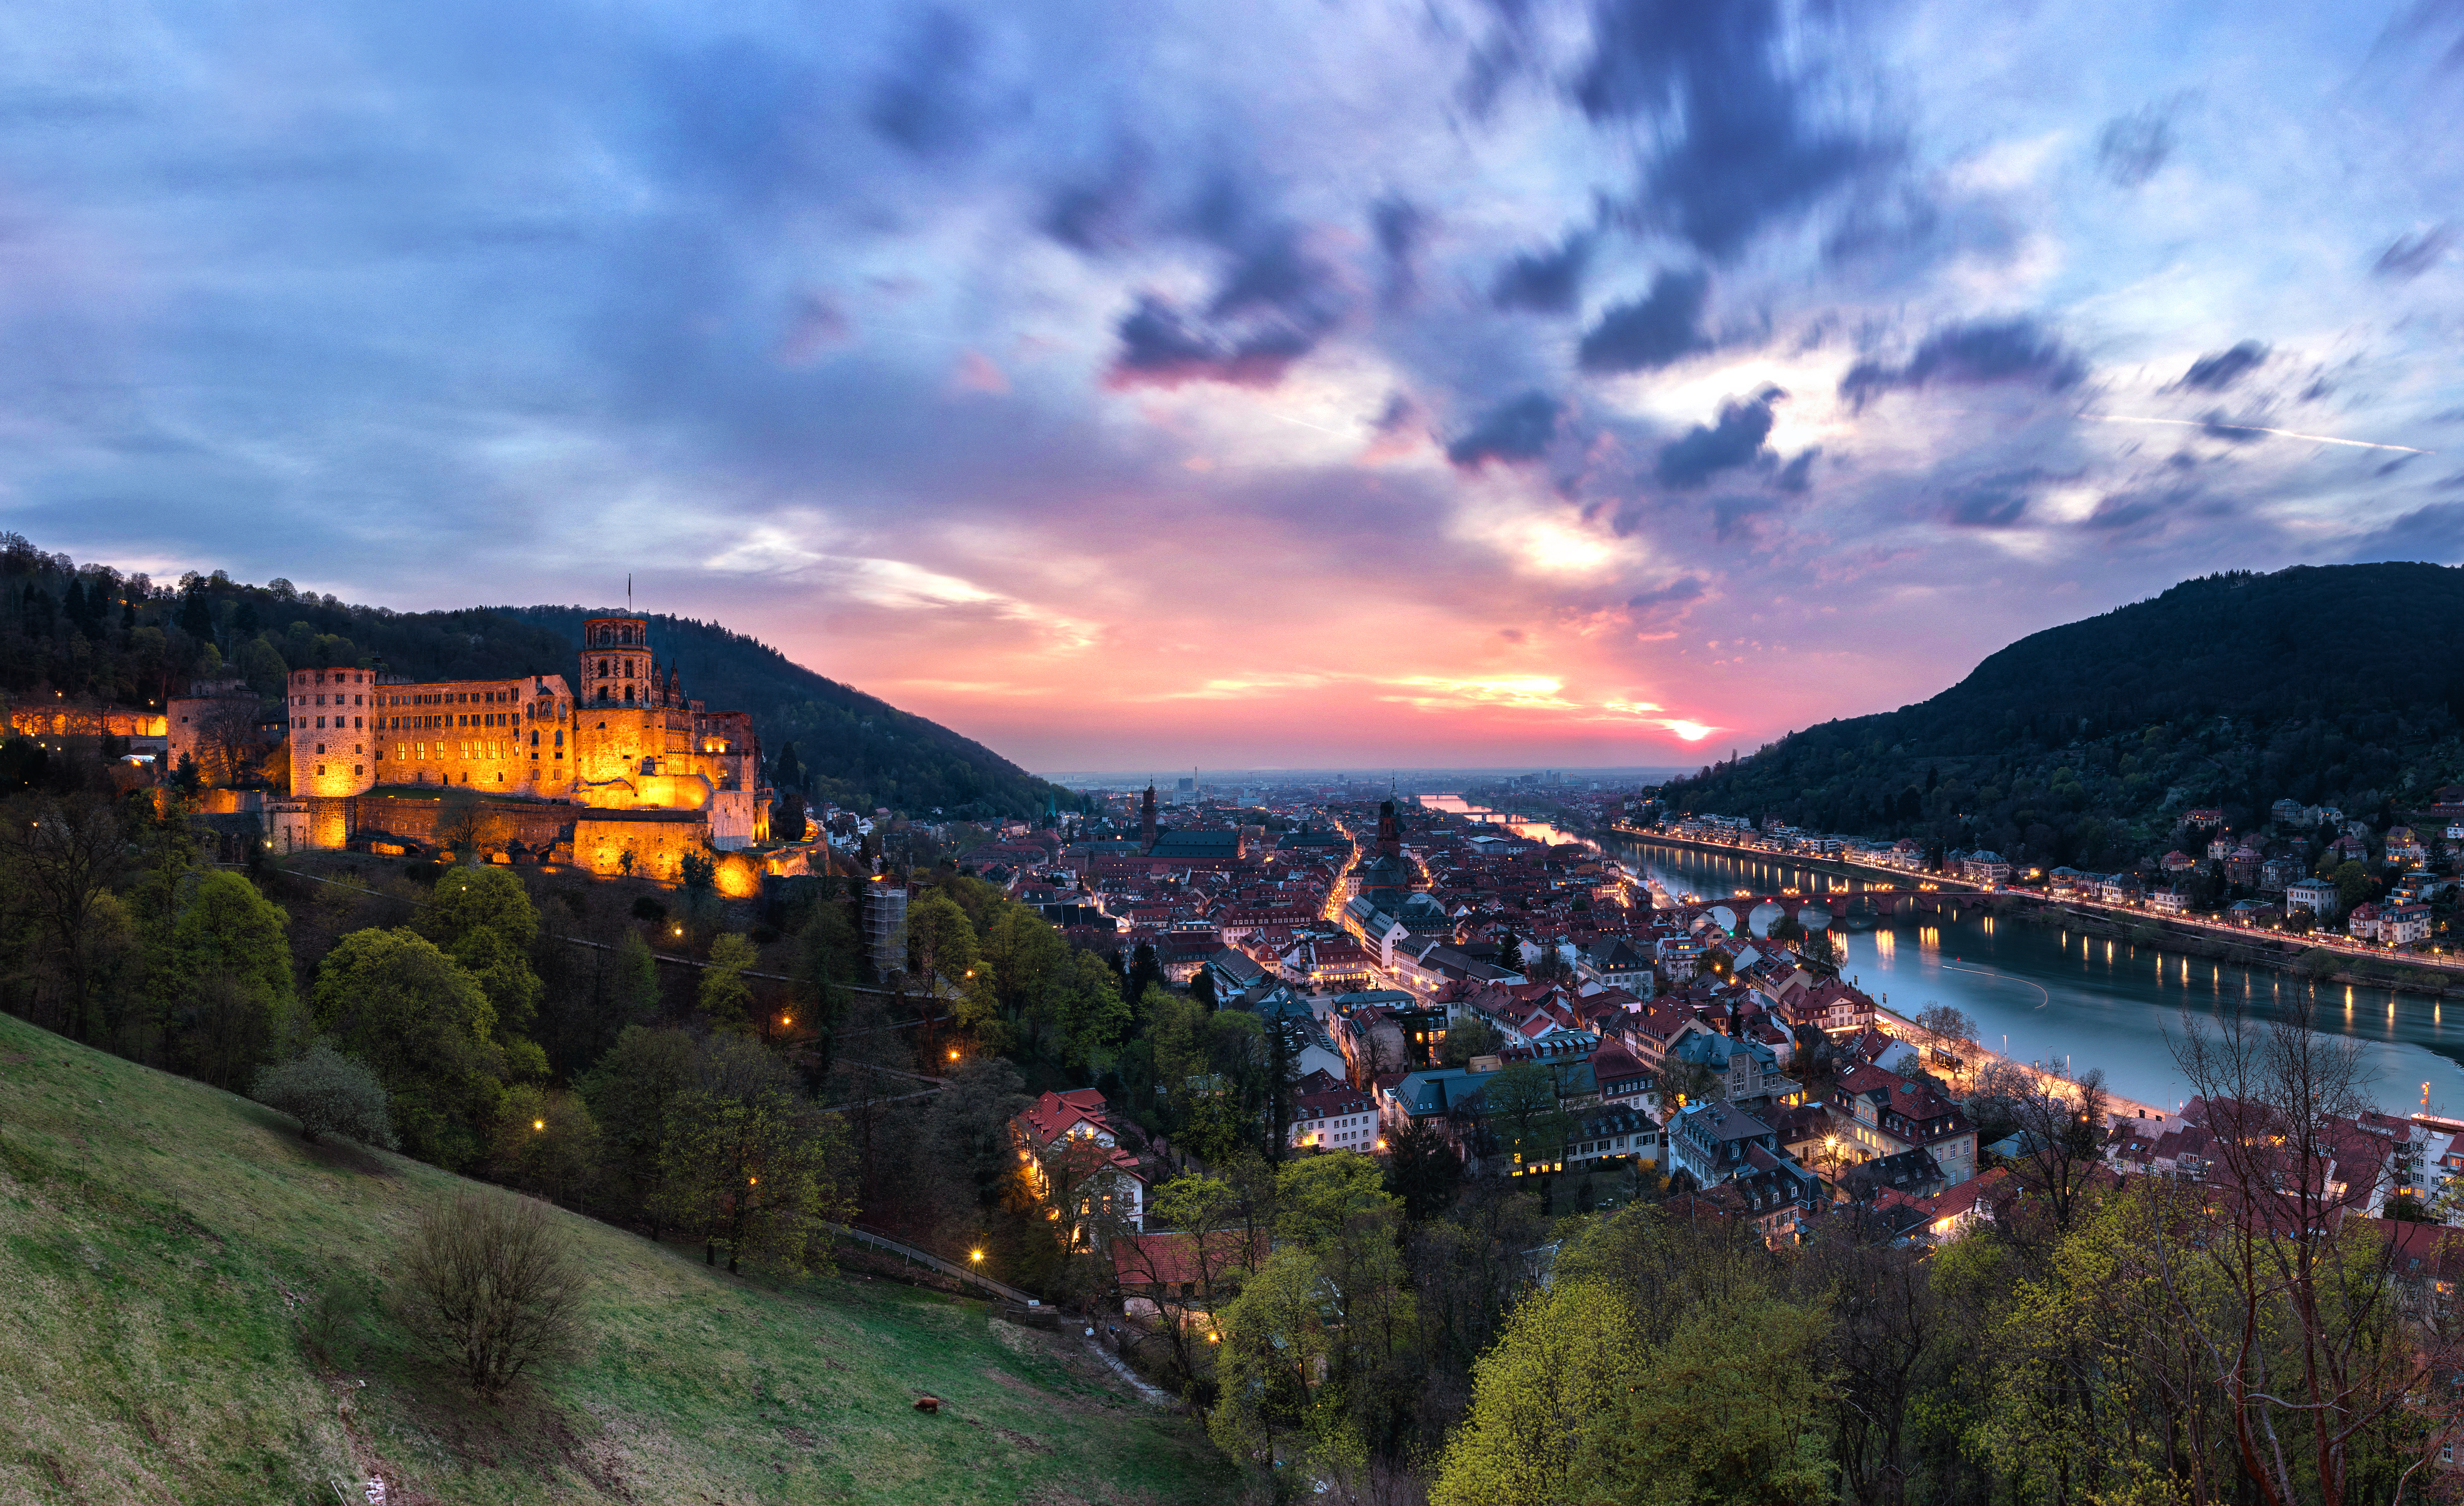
2082	744
87	630
192	1309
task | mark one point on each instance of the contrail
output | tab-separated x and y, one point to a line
2253	428
1289	419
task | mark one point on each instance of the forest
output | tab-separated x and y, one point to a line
2081	745
88	632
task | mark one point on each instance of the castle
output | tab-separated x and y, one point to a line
622	776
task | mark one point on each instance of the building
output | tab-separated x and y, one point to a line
1884	1113
1074	1161
625	774
1339	1118
2314	895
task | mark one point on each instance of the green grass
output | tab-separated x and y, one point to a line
189	1313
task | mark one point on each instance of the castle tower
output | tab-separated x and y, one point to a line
616	669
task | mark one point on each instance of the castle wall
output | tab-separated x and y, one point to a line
657	841
498	737
538	825
329	736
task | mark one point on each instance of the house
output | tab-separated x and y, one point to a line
1742	1071
1609	1134
2314	895
1614	962
2403	846
1345	1119
2168	902
1623	1079
2277	873
2120	889
1681	957
1182	1266
2363	922
1912	1173
1074	1159
2178	861
2404	924
1979	1200
2250	911
1987	868
1886	1114
1711	1142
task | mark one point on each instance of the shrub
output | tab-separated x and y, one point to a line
648	908
490	1288
329	1094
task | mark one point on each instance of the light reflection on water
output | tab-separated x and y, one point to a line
2101	1003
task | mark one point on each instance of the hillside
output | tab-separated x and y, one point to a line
87	630
184	1315
2082	744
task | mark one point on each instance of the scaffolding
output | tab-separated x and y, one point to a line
885	927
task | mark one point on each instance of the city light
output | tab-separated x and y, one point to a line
976	1255
538	1124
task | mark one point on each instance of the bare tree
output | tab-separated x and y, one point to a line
61	857
491	1289
228	738
2289	1309
2062	1124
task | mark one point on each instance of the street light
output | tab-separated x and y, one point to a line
538	1124
976	1255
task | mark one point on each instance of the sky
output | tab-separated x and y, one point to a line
1290	383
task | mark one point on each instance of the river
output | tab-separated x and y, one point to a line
2054	995
1529	829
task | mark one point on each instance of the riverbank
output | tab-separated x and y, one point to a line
1878	878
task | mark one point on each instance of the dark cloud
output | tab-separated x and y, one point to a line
2213	373
2434	533
1798	474
2146	509
1708	449
1668	602
1732	516
1998	502
1276	301
1651	331
1399	413
2395	465
1400	227
1971	354
2133	146
2216	425
1519	428
1097	216
1161	347
1739	148
928	102
2413	254
2453	483
1545	282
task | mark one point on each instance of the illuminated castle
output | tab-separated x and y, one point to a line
627	776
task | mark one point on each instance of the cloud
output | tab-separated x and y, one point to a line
1740	149
2216	423
1734	515
1972	354
2213	373
1997	502
976	373
2434	533
2132	147
1798	474
1545	282
1097	216
1276	301
1519	428
1401	226
1667	603
928	103
1650	332
2412	255
1735	440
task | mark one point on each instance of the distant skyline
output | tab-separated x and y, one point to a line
1446	382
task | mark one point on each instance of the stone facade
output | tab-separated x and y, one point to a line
626	766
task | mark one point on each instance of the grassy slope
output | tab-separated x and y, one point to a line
164	1249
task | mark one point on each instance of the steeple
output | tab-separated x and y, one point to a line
1146	818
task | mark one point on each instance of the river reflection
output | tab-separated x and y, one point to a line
2053	995
1531	830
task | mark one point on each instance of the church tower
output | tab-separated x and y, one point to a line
1147	820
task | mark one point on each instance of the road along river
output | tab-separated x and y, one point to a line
2054	995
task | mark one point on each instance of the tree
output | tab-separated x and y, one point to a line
1472	1035
1947	1023
226	735
635	986
483	918
630	1092
329	1094
1727	1410
395	1001
491	1289
1207	1244
744	1166
546	1143
1569	1356
1423	1171
1522	1113
726	998
1275	1344
61	858
1092	1016
967	1128
2064	1128
224	991
830	955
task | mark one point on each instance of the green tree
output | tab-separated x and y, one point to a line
484	919
726	997
967	1128
1725	1411
1522	1113
1030	966
225	989
1568	1357
425	1026
829	957
1423	1171
1271	1360
329	1094
630	1092
635	985
1473	1035
749	1173
1092	1016
2353	884
546	1143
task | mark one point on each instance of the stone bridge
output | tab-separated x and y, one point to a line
1837	904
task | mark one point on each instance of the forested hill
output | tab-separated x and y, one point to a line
2329	684
87	630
